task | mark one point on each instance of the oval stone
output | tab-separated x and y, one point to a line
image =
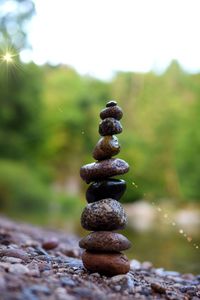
110	188
105	241
109	264
111	112
106	147
110	126
103	169
111	103
106	214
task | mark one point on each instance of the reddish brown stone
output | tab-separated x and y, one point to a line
50	244
106	263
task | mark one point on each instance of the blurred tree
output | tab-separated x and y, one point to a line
162	120
21	114
188	146
21	122
22	188
71	104
14	18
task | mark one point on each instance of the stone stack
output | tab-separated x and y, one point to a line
104	214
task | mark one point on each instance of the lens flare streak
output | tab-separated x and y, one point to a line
181	231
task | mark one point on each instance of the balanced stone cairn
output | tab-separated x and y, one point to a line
104	214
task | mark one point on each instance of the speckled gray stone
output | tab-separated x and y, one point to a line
105	241
111	112
106	147
106	214
110	126
103	169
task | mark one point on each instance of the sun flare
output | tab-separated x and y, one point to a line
7	57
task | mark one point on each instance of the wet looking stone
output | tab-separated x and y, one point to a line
106	147
111	188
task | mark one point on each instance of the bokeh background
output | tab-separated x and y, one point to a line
49	116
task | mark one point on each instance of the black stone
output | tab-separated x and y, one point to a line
110	188
111	103
110	126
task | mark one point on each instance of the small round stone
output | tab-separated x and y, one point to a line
111	112
110	126
106	147
103	169
110	188
105	241
50	244
106	263
106	214
111	103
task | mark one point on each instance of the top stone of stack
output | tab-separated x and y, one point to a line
111	103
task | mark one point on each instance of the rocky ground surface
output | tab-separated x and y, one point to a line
37	263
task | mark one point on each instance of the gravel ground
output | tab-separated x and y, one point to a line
37	263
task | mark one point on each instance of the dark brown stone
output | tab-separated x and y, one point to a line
111	112
103	169
110	126
106	214
106	263
106	147
105	241
111	103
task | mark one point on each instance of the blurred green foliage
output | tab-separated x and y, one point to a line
22	188
21	113
49	126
